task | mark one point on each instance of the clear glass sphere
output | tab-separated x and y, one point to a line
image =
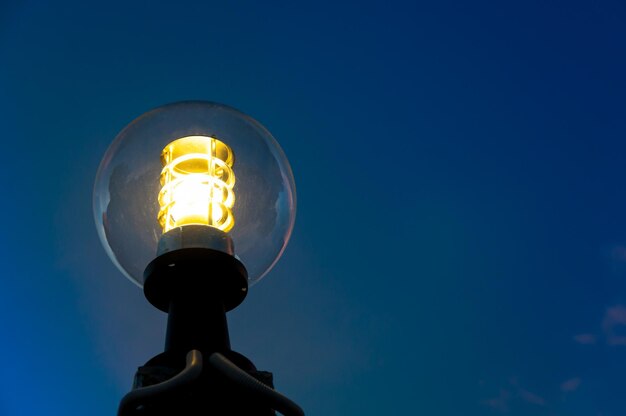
128	182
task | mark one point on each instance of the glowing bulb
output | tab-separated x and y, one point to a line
197	184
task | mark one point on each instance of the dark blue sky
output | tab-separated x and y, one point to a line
460	242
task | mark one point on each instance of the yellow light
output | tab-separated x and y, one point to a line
197	184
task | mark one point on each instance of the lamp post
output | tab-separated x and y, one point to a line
195	202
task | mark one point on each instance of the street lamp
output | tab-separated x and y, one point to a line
195	202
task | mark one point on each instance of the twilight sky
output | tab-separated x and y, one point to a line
460	242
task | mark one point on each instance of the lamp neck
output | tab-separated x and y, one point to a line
195	323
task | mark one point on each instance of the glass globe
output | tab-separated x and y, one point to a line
140	192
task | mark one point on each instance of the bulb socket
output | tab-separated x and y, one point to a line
195	236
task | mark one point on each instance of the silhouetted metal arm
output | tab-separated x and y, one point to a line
144	395
253	386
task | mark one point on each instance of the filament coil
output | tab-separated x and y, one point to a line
197	183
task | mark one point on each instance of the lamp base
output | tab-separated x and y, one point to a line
196	286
